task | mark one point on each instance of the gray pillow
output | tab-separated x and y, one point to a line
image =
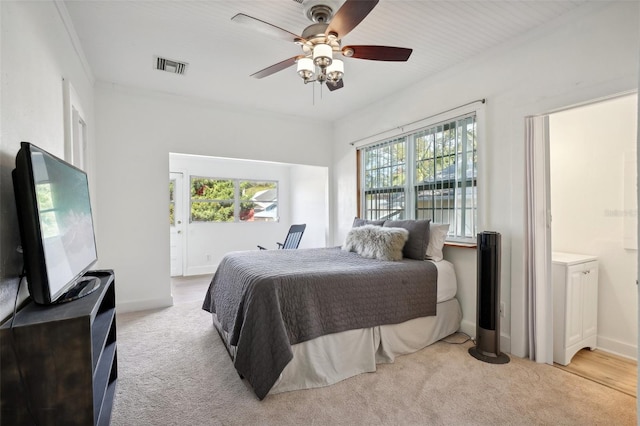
416	245
361	222
376	242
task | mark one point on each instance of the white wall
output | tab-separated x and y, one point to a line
136	131
309	197
588	149
37	53
587	55
302	198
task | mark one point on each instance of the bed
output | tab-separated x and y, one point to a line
298	319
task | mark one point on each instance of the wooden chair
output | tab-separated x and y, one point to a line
293	238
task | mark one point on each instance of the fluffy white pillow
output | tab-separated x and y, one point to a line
376	242
437	236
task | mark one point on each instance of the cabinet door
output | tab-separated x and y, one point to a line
574	305
590	300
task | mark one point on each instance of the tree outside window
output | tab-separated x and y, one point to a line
233	200
212	200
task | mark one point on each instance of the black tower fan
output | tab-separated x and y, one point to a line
487	346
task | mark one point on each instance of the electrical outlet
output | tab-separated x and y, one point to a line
208	258
501	309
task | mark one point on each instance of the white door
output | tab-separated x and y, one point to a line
590	301
176	225
574	304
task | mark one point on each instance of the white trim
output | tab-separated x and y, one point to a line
617	348
200	270
539	259
71	103
73	37
482	201
143	304
590	102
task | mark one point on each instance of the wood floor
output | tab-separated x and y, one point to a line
189	289
607	369
601	367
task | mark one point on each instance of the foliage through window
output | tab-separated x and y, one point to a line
233	200
385	180
429	174
172	202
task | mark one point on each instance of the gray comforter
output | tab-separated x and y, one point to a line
268	300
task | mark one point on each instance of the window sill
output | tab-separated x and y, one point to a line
461	244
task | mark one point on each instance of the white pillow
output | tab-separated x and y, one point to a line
376	242
437	236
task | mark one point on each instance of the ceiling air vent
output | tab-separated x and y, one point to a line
169	65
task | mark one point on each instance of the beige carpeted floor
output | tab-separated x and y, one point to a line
173	370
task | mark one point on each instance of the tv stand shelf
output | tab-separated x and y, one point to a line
59	362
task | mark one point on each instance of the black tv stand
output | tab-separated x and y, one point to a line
85	285
59	362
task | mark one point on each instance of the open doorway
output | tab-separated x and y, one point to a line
199	241
592	159
176	224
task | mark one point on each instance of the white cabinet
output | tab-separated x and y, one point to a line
575	304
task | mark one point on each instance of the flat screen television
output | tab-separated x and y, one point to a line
56	226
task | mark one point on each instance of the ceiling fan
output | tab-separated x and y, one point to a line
321	41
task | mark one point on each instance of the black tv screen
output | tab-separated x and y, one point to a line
56	225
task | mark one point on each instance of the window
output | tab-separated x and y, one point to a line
233	200
428	174
259	201
172	202
212	200
385	180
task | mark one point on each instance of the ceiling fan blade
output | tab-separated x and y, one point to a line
349	16
378	53
335	86
276	67
266	28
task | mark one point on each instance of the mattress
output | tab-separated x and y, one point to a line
447	282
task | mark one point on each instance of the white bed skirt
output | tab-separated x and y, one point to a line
329	359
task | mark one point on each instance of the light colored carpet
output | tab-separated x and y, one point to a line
173	370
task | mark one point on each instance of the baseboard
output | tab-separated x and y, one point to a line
469	328
618	348
143	305
200	270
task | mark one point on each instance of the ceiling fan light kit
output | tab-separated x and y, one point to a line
306	69
335	71
321	41
322	55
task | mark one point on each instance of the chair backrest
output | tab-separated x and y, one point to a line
294	236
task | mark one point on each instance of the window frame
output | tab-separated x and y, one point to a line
236	201
239	201
410	133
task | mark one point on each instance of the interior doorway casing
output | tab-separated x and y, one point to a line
542	178
176	227
537	251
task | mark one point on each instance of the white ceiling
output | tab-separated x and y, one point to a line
122	38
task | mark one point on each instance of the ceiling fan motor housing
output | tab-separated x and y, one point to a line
320	11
